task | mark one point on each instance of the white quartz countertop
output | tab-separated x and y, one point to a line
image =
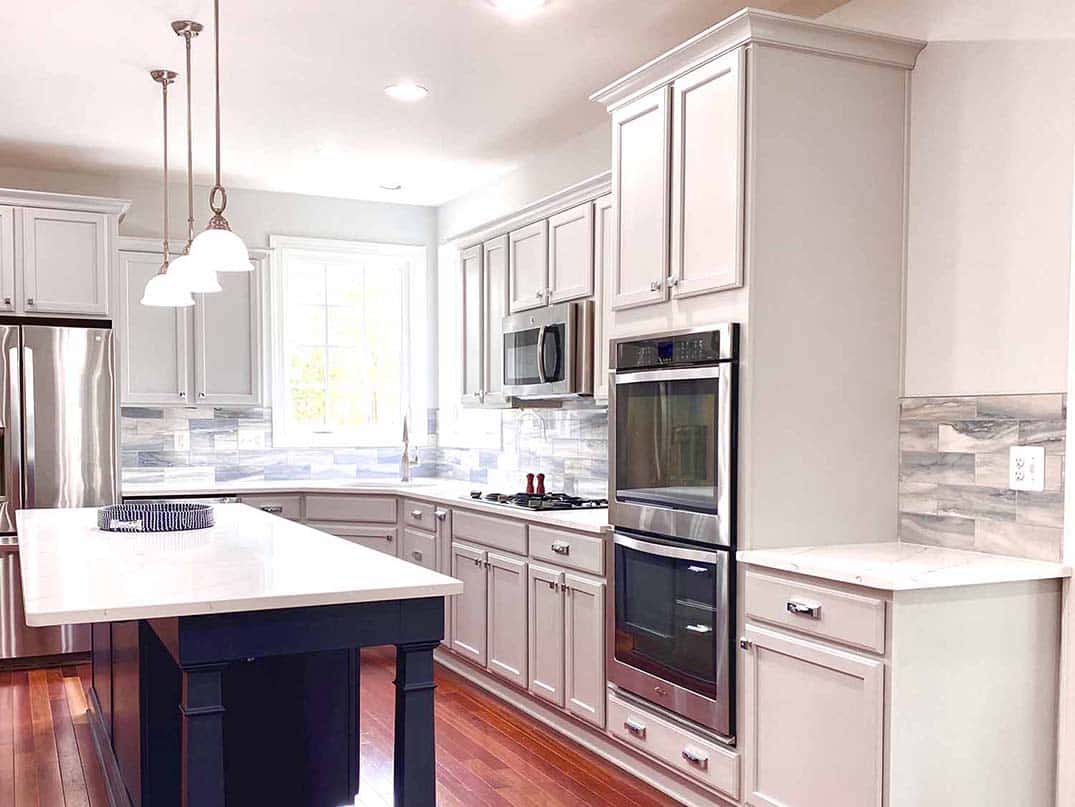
897	566
446	492
249	561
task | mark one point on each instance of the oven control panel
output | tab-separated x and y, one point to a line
673	350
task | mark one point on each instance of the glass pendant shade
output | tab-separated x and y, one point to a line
221	251
193	275
163	291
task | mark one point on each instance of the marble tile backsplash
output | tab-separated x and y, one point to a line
210	445
954	473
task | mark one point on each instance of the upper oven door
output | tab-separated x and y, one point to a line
672	453
538	347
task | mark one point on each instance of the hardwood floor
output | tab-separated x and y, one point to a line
488	755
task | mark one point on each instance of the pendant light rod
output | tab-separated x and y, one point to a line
188	29
164	78
216	78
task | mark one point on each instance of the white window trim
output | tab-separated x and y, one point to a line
281	247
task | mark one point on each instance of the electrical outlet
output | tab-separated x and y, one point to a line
1026	468
181	440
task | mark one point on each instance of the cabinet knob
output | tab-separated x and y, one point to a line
417	555
673	281
7	301
29	300
440	514
540	294
655	285
182	395
388	538
416	514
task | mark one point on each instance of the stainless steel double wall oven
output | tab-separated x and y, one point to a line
672	455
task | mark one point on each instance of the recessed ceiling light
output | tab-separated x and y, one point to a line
406	91
518	8
390	186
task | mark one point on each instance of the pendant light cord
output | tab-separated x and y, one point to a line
216	57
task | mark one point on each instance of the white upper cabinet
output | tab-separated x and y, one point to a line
708	141
640	188
228	347
473	323
495	287
65	257
153	344
7	258
571	254
528	266
602	249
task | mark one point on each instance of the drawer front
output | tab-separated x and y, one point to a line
582	552
377	509
702	760
502	533
419	514
373	536
288	506
853	619
419	547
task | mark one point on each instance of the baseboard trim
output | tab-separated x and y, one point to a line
593	740
117	792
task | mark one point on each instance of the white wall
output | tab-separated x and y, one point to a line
991	159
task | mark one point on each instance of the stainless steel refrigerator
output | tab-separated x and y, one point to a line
58	449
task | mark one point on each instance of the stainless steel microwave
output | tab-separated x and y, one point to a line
548	352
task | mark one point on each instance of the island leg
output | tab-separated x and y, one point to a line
415	774
202	710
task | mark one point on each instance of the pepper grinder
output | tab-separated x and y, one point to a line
529	484
541	484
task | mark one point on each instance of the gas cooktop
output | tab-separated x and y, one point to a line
540	501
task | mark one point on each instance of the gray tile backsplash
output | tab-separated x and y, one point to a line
954	473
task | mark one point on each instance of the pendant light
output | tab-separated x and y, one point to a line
195	275
162	289
217	246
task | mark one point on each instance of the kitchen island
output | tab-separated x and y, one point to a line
230	655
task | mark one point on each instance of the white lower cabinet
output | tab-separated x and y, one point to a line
382	537
469	608
813	723
547	633
506	617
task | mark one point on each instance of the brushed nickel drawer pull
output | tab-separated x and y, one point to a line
696	758
417	555
561	547
807	608
416	514
635	728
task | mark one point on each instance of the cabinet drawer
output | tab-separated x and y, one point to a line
419	547
378	509
419	514
582	552
373	536
289	506
701	759
502	533
853	619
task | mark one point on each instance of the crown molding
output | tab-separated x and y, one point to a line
752	25
585	191
64	201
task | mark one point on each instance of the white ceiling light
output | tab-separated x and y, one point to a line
406	91
518	8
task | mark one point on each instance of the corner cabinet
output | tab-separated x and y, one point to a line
212	355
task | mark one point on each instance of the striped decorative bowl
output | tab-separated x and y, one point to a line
155	517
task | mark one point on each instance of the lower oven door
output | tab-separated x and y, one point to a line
670	631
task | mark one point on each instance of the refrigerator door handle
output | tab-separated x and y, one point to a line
28	418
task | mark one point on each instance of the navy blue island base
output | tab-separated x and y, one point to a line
257	708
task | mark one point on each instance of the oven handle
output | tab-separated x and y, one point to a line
680	374
541	353
677	552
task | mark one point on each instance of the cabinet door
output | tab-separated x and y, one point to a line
227	339
571	254
65	262
7	258
380	537
471	265
814	723
468	608
547	633
584	648
708	138
507	617
602	250
528	266
495	289
153	342
640	187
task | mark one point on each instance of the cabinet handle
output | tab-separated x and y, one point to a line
7	301
806	608
656	285
699	628
540	294
440	514
416	514
182	395
696	758
275	509
29	300
477	562
388	538
745	644
673	281
635	728
201	394
417	555
561	547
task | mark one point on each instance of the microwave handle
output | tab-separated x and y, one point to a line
541	354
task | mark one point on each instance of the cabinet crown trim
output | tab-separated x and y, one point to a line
764	27
64	201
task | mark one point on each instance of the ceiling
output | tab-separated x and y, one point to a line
304	109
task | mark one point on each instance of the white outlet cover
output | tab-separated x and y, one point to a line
182	441
1026	468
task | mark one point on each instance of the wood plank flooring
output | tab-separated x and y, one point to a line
488	754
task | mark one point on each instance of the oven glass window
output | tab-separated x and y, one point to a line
666	444
525	350
667	612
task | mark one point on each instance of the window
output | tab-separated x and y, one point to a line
349	344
